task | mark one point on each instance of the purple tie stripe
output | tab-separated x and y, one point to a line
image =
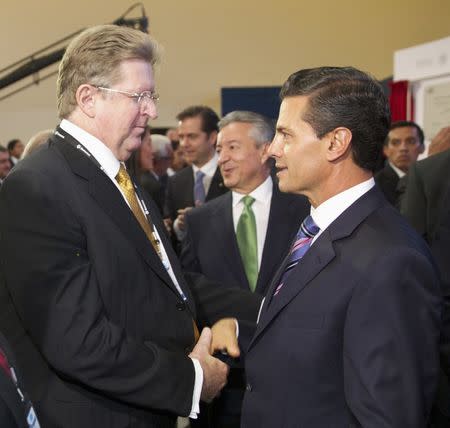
303	240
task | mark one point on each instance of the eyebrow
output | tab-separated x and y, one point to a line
281	128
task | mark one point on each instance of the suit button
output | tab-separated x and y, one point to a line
181	306
248	387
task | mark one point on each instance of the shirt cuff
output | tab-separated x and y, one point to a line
180	234
195	410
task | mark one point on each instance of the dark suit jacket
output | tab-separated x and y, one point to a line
387	179
351	339
427	206
103	333
153	187
210	246
180	191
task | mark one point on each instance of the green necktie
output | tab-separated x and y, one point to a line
247	243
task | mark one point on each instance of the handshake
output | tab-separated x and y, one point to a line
220	338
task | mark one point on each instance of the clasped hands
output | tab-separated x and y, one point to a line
221	337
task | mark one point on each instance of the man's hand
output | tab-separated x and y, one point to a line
168	225
224	337
180	218
214	371
440	142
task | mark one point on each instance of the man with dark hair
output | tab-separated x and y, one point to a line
15	149
348	333
201	181
5	164
403	145
240	237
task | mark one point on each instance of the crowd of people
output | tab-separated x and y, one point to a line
235	271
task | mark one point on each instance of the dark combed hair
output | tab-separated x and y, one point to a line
12	143
347	97
208	116
407	124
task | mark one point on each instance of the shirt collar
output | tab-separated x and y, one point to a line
332	208
263	193
209	168
398	171
100	151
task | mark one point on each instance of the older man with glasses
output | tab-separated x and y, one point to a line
98	307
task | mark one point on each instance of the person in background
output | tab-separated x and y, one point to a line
178	160
36	141
239	238
403	145
426	205
5	163
201	181
141	167
15	149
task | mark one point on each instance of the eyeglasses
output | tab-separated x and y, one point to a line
143	99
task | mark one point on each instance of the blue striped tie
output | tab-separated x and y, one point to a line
305	235
199	189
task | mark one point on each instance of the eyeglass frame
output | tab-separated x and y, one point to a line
153	96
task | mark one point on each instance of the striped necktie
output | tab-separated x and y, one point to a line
303	239
199	189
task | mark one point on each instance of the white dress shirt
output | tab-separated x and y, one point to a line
261	208
332	208
398	171
110	166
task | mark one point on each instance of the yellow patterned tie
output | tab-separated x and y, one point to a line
127	188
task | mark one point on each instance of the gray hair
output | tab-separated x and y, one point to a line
161	145
36	141
262	130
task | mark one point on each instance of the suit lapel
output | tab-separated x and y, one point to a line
317	258
279	234
216	187
223	229
109	198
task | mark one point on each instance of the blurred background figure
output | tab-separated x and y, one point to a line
201	181
178	160
172	134
426	204
15	149
403	145
162	157
36	141
140	166
5	164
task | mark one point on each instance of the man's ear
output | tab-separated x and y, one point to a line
212	138
86	97
339	143
265	152
422	149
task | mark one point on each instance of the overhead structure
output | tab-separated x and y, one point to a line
33	64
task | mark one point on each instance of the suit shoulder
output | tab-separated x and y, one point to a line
181	175
431	163
210	207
